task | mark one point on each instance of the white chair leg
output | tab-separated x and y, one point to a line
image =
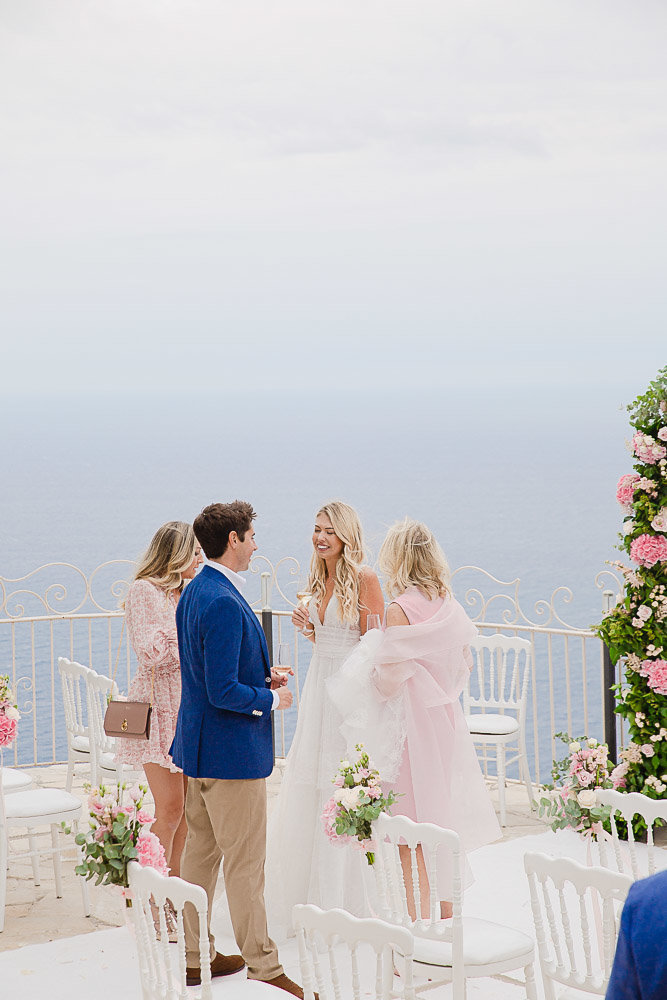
34	858
500	762
526	772
3	878
531	988
57	861
70	775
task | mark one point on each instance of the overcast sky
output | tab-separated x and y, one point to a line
273	192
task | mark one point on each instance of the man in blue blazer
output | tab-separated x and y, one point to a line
223	743
640	962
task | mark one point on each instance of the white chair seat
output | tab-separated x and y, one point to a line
14	781
81	744
41	803
484	943
490	724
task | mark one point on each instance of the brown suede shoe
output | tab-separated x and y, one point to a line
221	965
283	982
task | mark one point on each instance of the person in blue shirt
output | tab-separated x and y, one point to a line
640	963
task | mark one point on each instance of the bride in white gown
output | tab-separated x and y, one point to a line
302	866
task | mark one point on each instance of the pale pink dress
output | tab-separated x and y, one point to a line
439	775
150	616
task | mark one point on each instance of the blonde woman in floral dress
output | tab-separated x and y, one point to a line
172	558
302	866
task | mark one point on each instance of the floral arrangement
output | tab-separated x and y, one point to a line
119	832
573	801
636	629
9	713
349	814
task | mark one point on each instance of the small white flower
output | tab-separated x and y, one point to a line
344	764
349	797
12	713
587	798
574	747
591	742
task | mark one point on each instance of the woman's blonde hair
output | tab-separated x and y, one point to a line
347	526
411	557
171	550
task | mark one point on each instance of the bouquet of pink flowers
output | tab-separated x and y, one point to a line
119	832
573	801
349	814
9	713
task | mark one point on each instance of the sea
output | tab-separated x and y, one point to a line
517	480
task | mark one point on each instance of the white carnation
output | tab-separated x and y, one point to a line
574	747
587	798
592	742
12	713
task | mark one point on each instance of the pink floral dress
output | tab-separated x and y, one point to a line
150	616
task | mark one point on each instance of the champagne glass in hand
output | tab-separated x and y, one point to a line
372	621
283	664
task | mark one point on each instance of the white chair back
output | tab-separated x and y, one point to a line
99	690
576	911
628	805
162	965
345	938
499	677
438	848
73	677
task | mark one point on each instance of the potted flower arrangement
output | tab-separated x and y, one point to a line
572	800
119	832
9	713
349	814
635	631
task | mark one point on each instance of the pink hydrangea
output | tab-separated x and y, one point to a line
655	672
647	448
626	488
618	775
150	852
647	550
7	730
329	814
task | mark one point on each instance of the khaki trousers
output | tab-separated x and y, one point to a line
227	819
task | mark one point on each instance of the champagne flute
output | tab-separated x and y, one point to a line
303	597
283	663
372	621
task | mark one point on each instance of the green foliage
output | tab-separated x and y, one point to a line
642	644
114	828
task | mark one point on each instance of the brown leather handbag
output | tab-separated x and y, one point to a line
130	720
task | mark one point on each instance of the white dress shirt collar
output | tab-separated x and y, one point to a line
238	581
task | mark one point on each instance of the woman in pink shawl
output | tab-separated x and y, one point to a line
399	695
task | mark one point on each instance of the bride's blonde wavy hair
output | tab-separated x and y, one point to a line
411	557
171	550
347	526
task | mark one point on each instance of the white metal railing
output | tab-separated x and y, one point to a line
42	619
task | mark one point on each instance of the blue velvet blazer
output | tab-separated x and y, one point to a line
224	721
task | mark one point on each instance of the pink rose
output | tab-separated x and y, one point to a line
145	817
662	433
655	672
373	792
339	781
625	489
647	449
7	730
647	550
150	852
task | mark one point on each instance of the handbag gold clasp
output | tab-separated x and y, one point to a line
123	725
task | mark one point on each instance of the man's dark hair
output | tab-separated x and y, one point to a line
214	524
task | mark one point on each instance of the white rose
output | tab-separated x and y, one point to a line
12	713
344	764
358	779
350	797
574	747
587	798
592	742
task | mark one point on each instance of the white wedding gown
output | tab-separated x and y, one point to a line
302	866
